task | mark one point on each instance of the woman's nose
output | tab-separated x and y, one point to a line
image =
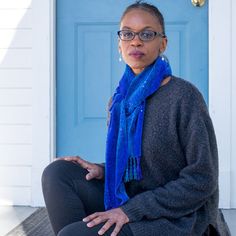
136	41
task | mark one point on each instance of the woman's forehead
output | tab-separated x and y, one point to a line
138	18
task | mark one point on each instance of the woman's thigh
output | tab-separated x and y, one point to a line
69	197
64	183
80	229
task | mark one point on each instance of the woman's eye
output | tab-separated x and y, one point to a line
127	34
146	35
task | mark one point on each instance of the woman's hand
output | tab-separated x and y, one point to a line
110	217
95	171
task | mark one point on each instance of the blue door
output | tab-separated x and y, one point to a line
88	67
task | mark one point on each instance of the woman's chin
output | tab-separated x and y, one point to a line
135	63
138	66
137	70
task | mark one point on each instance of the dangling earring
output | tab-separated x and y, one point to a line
161	55
120	59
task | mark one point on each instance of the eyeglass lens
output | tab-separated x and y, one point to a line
146	35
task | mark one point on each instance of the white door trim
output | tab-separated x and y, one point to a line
44	100
233	107
44	89
220	89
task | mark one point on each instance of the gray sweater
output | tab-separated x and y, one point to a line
178	194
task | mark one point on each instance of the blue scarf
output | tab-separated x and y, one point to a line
124	138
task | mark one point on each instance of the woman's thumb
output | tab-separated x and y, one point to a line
89	176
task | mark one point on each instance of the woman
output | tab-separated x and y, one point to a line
161	173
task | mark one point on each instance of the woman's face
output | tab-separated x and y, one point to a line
136	53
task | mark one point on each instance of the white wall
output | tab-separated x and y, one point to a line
222	54
26	92
43	96
233	106
15	101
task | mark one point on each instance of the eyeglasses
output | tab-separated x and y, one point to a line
145	35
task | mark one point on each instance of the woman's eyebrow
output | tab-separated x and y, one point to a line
128	28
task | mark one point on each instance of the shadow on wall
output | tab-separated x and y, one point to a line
15	102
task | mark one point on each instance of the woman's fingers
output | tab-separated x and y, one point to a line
106	226
117	229
83	163
95	219
91	175
91	217
114	216
67	158
95	171
77	159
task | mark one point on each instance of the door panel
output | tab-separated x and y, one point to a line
88	69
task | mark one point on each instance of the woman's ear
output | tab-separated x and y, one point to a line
119	47
163	45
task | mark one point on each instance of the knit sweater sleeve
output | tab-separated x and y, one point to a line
197	181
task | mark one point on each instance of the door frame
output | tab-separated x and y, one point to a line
220	107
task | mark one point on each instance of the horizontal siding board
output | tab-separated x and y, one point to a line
15	101
15	97
15	38
15	58
15	4
15	78
15	115
11	155
15	196
15	176
15	18
15	134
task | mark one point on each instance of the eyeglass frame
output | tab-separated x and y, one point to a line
156	34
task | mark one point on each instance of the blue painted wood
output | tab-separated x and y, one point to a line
88	69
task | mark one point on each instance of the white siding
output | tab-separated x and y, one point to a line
15	18
15	154
222	94
9	114
22	38
15	4
15	176
15	97
15	101
15	78
16	58
15	195
233	107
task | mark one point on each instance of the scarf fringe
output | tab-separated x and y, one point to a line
133	170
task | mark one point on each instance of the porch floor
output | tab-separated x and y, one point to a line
10	217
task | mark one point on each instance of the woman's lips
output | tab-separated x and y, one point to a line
136	54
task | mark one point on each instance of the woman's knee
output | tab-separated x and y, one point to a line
61	171
75	229
67	231
52	171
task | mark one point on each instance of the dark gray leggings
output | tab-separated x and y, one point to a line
69	197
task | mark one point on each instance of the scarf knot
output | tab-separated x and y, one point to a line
124	137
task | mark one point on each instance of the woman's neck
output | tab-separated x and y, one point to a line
166	80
